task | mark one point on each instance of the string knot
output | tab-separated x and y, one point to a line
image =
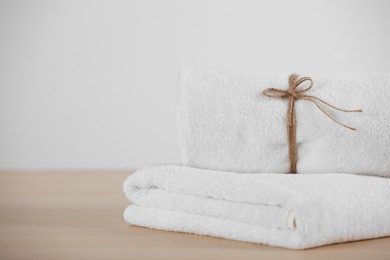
295	93
292	93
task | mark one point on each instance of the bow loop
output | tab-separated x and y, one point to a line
294	83
275	93
302	80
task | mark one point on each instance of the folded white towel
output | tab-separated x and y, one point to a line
225	123
294	211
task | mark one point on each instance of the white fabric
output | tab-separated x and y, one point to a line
225	123
294	211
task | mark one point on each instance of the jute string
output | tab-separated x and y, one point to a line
292	93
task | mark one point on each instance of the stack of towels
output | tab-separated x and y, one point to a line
233	182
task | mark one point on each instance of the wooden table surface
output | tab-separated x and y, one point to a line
79	215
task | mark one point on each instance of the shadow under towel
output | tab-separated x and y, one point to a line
293	211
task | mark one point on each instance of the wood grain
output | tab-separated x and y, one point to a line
79	215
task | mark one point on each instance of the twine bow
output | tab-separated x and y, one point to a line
292	93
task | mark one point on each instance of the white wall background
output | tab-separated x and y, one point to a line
92	84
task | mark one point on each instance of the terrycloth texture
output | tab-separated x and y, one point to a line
225	123
294	211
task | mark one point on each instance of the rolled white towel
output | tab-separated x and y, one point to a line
294	211
225	123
